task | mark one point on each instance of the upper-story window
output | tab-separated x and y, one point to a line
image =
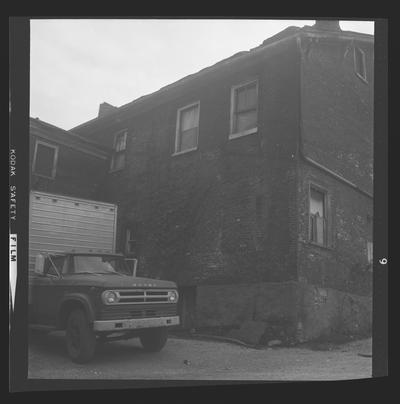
45	159
244	109
318	222
359	63
187	128
118	157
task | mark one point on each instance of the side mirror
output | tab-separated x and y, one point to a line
132	262
39	264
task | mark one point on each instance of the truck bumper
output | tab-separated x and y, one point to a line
136	323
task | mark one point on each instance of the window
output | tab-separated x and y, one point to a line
317	216
45	159
118	157
187	128
244	109
130	241
359	63
369	251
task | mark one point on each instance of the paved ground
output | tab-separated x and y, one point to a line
201	360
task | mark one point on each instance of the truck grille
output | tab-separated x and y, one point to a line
128	311
142	296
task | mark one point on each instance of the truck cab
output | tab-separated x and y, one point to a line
96	297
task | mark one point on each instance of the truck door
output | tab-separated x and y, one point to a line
46	293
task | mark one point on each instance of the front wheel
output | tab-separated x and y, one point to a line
154	339
80	338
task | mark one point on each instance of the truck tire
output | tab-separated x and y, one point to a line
154	339
80	338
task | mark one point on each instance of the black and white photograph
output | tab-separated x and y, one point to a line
200	200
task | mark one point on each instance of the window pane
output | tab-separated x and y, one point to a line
188	139
120	142
316	202
246	98
189	118
44	160
360	67
245	121
118	161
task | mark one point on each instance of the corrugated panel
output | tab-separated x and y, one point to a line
59	224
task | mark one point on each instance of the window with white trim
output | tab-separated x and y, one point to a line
45	159
119	148
244	109
318	222
359	63
187	128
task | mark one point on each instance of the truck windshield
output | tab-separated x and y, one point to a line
99	265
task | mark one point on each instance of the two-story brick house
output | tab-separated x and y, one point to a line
250	184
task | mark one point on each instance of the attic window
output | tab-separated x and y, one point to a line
45	160
359	64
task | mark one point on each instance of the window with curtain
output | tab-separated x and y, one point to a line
244	108
188	128
318	217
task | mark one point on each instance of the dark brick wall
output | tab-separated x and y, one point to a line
227	211
337	115
343	265
77	174
337	109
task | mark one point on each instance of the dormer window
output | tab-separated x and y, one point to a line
119	148
359	64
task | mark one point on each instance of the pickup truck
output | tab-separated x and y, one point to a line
95	298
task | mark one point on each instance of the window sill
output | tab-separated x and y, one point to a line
184	152
116	170
44	176
244	133
323	246
362	78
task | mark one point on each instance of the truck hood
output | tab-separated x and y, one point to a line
115	281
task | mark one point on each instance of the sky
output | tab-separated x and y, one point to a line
78	64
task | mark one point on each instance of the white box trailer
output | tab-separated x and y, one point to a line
59	223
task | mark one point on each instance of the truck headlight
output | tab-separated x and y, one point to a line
173	296
109	297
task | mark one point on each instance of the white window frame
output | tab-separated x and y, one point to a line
178	128
55	159
370	252
125	133
364	78
233	135
324	192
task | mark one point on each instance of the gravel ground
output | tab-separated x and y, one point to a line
191	359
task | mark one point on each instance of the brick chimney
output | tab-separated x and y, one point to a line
327	25
105	108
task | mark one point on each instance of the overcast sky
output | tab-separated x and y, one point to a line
78	64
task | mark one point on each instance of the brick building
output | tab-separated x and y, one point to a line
64	163
249	183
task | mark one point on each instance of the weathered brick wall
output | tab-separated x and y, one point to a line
337	109
337	117
343	264
77	174
223	213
